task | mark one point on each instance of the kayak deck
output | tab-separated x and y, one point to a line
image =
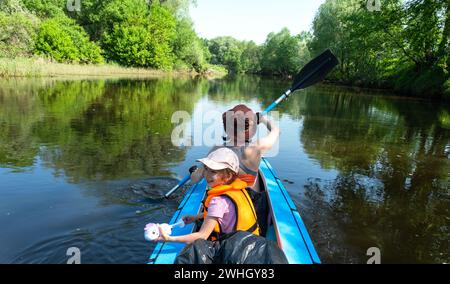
287	227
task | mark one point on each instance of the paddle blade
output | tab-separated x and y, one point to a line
315	70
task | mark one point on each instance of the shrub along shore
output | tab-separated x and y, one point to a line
39	67
405	47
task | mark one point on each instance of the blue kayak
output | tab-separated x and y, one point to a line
286	228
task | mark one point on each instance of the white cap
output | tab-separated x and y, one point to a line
222	158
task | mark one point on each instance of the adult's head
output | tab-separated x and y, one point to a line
240	123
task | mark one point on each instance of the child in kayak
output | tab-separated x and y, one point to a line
240	124
227	207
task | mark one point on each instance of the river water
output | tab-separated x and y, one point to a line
84	163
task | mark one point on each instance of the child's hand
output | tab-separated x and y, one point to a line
189	219
163	237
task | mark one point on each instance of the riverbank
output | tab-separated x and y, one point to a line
385	91
39	67
418	89
360	87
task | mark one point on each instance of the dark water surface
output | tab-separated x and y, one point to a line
84	163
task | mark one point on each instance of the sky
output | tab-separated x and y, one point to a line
252	19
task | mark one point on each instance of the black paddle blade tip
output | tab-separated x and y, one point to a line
315	71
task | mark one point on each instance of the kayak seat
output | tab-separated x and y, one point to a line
261	206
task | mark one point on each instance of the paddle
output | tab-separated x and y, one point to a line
180	184
310	74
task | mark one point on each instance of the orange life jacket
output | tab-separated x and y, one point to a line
245	212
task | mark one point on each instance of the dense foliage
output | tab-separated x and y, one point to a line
138	35
405	45
141	33
282	54
17	29
62	39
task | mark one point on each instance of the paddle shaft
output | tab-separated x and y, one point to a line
180	184
275	103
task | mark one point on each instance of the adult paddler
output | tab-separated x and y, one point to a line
240	125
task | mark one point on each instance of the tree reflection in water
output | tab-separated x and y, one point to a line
392	190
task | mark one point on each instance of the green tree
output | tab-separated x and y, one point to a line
251	58
139	35
93	17
188	47
282	54
331	31
46	8
23	33
62	39
17	29
142	33
162	31
12	6
404	46
226	51
17	33
180	8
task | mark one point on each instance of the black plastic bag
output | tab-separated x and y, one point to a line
199	252
237	248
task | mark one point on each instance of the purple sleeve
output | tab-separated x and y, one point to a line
218	206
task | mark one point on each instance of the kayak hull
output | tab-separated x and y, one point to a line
287	227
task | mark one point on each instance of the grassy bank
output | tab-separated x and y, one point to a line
39	67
